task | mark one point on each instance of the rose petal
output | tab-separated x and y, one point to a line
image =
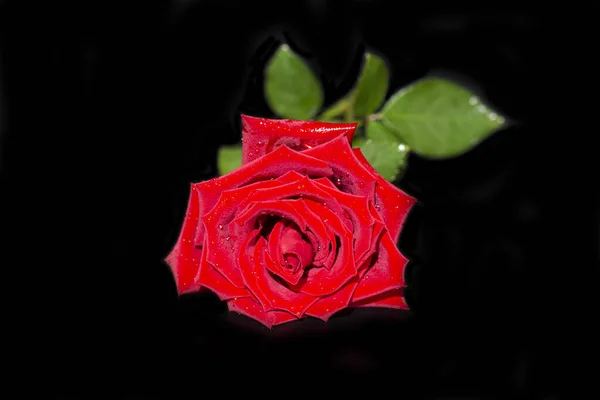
325	182
329	305
212	279
392	202
274	263
391	299
184	258
262	135
248	257
302	188
272	294
294	210
272	165
290	176
322	281
223	242
387	272
252	309
349	174
366	228
293	243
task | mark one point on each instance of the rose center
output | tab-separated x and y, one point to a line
296	250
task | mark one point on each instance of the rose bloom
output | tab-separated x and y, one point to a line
305	227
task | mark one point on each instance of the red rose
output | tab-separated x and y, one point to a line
305	227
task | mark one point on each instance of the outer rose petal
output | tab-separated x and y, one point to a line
184	258
391	202
212	279
387	273
261	135
349	174
252	309
272	165
329	305
392	299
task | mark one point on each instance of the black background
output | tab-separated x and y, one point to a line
108	112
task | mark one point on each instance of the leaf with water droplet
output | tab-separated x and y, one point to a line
229	158
291	88
438	118
372	85
384	151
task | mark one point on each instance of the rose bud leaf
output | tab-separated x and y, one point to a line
384	151
439	119
291	88
372	85
229	158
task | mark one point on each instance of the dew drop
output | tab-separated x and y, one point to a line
325	220
220	226
473	100
259	143
481	108
338	181
493	116
228	238
397	207
401	147
361	185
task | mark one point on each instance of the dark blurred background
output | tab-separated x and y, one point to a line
108	111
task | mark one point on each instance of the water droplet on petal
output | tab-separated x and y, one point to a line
220	226
338	181
361	185
259	143
228	238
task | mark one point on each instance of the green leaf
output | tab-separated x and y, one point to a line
372	86
229	158
439	119
384	151
291	89
336	110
